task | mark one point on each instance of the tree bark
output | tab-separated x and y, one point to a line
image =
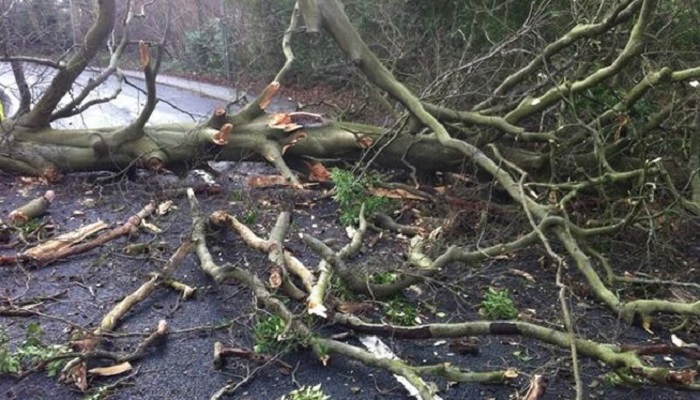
40	115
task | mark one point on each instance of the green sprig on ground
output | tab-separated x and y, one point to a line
307	393
268	332
31	352
351	192
497	304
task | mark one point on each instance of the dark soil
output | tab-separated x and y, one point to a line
77	293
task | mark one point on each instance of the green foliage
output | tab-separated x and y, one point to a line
307	393
29	226
680	23
236	196
383	277
397	310
341	291
523	356
204	47
613	379
177	65
31	352
250	217
268	334
9	362
599	98
351	193
401	312
497	304
255	45
347	188
100	393
622	377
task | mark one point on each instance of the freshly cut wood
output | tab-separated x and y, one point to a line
64	240
32	209
112	370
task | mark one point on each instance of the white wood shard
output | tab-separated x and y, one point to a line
375	346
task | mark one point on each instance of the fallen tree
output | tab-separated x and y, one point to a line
545	171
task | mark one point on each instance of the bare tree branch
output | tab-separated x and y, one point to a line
74	107
33	60
40	115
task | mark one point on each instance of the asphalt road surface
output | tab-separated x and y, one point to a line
189	101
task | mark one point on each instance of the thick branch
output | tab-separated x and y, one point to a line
40	115
74	106
612	355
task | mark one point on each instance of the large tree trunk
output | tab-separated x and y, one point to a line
49	152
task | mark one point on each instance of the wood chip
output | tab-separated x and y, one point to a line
113	370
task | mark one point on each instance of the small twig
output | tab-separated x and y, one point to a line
232	387
661	282
221	353
561	264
